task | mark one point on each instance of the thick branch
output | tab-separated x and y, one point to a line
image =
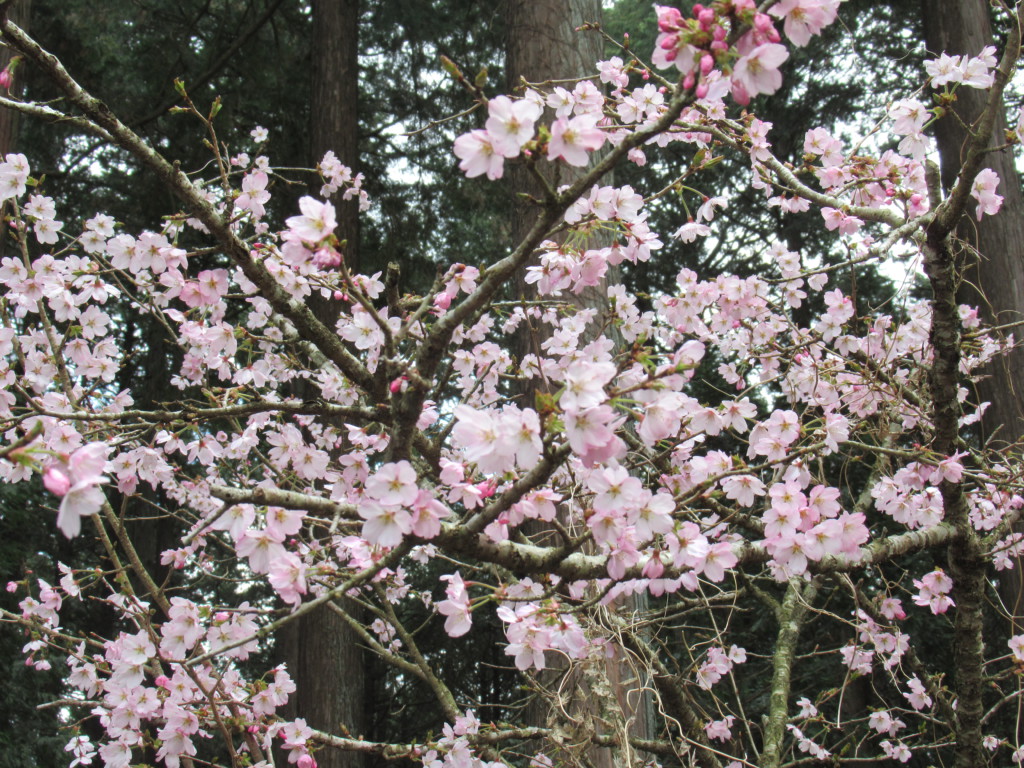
791	617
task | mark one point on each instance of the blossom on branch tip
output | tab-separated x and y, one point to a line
758	72
317	220
77	481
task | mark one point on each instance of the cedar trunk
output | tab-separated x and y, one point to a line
994	279
545	42
323	654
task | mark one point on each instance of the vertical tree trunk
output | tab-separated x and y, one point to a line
335	121
544	43
20	12
994	280
322	653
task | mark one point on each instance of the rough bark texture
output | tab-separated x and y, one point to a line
19	13
334	120
791	614
545	43
322	652
966	564
965	30
994	280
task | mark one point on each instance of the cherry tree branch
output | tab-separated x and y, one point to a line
176	182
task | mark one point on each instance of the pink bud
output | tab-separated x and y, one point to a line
669	43
669	19
163	681
12	586
338	295
706	17
306	761
702	90
56	481
688	82
763	23
654	568
707	63
399	385
6	78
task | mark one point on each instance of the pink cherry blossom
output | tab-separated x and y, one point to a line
572	139
479	155
758	72
317	220
510	124
456	606
78	483
984	191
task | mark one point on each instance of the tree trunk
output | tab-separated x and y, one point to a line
994	280
322	653
335	121
545	42
993	248
19	13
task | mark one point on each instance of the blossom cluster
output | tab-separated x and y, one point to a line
335	459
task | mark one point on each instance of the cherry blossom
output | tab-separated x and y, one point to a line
569	482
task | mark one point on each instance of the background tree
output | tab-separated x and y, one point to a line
993	251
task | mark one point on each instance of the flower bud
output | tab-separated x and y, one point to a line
763	23
56	481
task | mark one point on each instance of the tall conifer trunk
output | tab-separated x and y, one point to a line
19	13
544	43
994	280
322	652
